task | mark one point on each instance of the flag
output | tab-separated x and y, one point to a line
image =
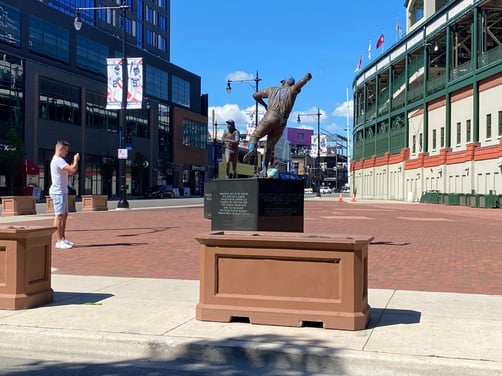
399	31
359	64
379	42
369	51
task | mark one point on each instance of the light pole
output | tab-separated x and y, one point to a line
256	80
318	160
122	204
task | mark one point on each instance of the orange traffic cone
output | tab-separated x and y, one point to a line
353	198
340	199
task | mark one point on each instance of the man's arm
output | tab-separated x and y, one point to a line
302	82
258	96
72	169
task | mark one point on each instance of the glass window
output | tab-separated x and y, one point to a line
97	116
164	129
417	11
91	55
488	125
137	124
442	137
59	101
500	123
468	130
156	83
162	43
10	25
194	134
11	89
459	133
181	91
163	23
49	40
434	141
150	15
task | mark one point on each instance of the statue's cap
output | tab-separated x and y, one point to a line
290	81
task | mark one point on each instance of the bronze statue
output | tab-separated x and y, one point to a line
231	139
280	103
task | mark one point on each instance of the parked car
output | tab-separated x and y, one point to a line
159	191
326	190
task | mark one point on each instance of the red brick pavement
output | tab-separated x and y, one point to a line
423	247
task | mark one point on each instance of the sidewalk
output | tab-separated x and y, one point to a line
123	320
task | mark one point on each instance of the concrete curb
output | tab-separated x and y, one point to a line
114	347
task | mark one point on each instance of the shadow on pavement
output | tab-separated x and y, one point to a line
386	317
244	355
109	245
70	298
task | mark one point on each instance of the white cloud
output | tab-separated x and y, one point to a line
240	75
341	109
232	111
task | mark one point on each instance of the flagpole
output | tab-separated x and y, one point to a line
348	138
397	28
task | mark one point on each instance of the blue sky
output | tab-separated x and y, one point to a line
233	39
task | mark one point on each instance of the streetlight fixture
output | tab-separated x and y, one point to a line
318	160
256	80
77	23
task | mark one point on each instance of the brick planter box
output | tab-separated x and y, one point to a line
25	266
18	205
49	209
285	279
94	203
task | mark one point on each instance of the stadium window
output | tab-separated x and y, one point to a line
459	133
500	123
488	126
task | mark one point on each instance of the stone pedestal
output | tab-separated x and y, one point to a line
49	208
18	205
94	203
284	279
255	204
25	266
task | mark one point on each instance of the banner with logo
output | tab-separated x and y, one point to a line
134	87
323	151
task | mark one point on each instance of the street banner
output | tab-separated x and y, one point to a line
134	87
323	151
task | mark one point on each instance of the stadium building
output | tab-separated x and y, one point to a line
427	111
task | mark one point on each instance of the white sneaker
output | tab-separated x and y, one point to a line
62	245
68	242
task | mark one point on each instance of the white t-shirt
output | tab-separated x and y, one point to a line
59	176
